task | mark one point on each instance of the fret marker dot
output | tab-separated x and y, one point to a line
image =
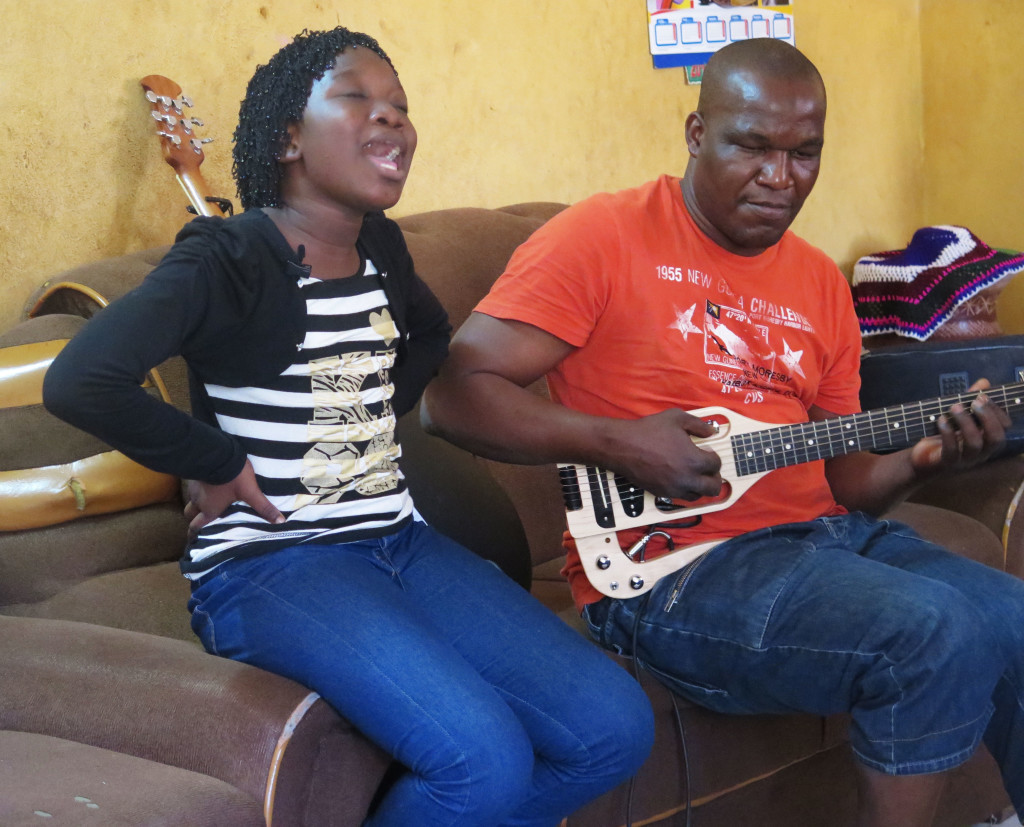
810	442
896	425
789	445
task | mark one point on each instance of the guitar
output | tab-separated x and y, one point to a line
599	503
182	147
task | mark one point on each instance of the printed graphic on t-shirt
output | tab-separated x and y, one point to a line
333	466
747	348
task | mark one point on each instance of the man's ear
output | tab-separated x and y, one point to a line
694	131
292	150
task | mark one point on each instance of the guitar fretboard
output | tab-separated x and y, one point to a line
879	430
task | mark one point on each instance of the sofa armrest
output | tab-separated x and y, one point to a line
990	494
168	701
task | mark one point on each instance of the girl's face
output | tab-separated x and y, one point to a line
355	142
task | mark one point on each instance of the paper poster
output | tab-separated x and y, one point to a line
688	32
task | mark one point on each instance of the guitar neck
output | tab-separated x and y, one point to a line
880	430
198	194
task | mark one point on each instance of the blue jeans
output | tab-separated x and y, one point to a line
924	648
501	713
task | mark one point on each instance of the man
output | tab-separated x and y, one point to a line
688	293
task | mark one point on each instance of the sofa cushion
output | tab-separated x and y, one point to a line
149	599
83	290
460	252
51	780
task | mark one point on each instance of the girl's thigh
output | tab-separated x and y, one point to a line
338	620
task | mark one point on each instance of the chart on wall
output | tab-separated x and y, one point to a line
688	32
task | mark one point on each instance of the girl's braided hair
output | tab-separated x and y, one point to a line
275	98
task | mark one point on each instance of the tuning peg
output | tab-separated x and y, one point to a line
165	101
174	139
185	99
170	120
196	122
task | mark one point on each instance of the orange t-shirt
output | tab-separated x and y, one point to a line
662	317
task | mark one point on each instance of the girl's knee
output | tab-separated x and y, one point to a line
620	724
634	723
493	774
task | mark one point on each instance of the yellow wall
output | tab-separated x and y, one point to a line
514	101
974	120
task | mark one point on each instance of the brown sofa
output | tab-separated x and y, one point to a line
103	679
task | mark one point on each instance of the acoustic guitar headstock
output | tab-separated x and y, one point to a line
182	147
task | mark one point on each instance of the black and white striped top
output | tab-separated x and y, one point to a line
321	435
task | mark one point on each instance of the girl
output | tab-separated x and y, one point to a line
307	333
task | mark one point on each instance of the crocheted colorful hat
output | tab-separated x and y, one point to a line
913	291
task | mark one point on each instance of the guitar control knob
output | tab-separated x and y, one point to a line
636	582
603	562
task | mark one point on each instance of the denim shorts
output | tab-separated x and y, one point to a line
924	648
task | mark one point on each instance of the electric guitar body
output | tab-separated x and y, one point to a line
600	503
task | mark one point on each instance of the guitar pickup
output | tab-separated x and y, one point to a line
570	488
600	494
631	498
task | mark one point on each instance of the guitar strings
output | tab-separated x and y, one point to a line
864	430
780	446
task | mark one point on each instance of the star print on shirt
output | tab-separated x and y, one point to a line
684	322
791	358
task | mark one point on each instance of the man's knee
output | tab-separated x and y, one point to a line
923	702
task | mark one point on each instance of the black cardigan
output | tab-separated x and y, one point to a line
225	298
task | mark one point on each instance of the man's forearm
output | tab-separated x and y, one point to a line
872	483
494	418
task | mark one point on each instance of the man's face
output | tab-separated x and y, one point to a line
755	154
355	142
